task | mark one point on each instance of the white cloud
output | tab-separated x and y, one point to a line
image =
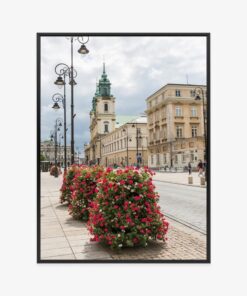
136	67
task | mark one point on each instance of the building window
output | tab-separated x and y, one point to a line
178	93
192	93
152	159
106	127
157	132
164	112
157	116
193	111
184	157
106	107
178	111
158	159
164	159
164	133
194	131
161	133
176	158
179	131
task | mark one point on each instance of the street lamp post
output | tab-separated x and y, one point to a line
82	50
58	124
71	72
171	156
127	142
198	98
100	153
59	150
62	98
94	157
138	136
64	70
142	156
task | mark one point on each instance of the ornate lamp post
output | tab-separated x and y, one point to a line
64	70
62	98
58	124
198	91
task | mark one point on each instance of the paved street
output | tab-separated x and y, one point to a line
64	238
185	204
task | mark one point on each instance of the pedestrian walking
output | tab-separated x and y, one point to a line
205	166
189	168
200	168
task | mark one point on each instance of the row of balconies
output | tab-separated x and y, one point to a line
176	119
163	140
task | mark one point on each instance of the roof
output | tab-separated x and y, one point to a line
171	84
123	119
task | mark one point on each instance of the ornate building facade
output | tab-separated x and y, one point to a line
47	150
102	117
127	144
114	140
175	126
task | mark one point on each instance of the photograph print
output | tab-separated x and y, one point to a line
123	157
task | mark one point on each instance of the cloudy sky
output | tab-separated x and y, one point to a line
136	67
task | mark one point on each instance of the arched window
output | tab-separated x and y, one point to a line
105	107
106	127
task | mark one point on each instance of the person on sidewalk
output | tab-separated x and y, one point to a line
200	168
204	167
189	168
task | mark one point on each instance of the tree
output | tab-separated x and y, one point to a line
42	157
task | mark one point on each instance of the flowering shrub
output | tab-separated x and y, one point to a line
68	183
55	171
125	211
85	182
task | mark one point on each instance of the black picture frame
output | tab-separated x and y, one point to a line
208	174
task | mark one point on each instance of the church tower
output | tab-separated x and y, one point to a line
102	116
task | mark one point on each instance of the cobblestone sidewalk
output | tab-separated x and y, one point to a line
64	238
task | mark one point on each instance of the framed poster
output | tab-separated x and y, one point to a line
123	147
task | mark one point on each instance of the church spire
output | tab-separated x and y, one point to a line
104	84
97	90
